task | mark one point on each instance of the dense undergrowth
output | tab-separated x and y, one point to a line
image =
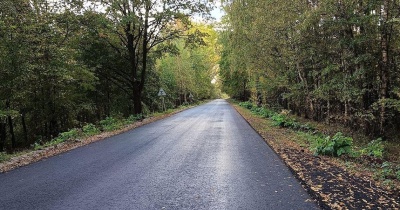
372	154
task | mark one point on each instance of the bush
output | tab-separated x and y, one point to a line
335	146
374	148
37	146
4	157
246	104
90	130
266	113
69	135
185	104
285	121
134	118
110	124
279	120
307	127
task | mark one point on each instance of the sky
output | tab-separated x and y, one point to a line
217	13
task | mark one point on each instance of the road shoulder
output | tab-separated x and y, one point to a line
331	185
28	157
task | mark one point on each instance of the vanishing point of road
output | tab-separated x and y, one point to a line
206	157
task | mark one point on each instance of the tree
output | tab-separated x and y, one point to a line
332	61
142	25
191	68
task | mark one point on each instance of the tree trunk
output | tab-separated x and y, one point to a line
13	141
244	91
138	87
346	112
384	71
25	130
11	127
137	99
3	135
328	115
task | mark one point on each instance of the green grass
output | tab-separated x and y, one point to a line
4	156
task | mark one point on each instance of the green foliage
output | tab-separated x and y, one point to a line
333	146
12	113
62	65
387	169
285	121
190	70
398	175
282	120
72	134
90	130
321	67
38	146
134	118
264	112
185	104
246	104
374	148
279	120
386	172
110	124
4	157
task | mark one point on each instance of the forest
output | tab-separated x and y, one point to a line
330	61
67	64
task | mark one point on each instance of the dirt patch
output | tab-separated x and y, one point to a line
35	156
331	184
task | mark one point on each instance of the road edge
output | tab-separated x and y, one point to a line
37	155
315	196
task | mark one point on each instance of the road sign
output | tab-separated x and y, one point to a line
161	92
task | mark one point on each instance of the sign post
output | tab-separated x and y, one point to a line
191	97
161	93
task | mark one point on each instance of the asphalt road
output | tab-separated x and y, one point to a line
207	157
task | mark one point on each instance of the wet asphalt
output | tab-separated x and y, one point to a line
207	157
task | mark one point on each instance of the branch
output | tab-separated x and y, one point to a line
113	46
110	78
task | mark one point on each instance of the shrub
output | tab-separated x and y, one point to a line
4	157
374	148
134	118
184	104
37	146
307	127
335	146
90	130
255	109
65	136
266	113
285	121
246	104
110	124
279	120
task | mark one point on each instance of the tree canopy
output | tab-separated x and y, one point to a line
67	63
333	61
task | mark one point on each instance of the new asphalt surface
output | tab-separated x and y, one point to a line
207	157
